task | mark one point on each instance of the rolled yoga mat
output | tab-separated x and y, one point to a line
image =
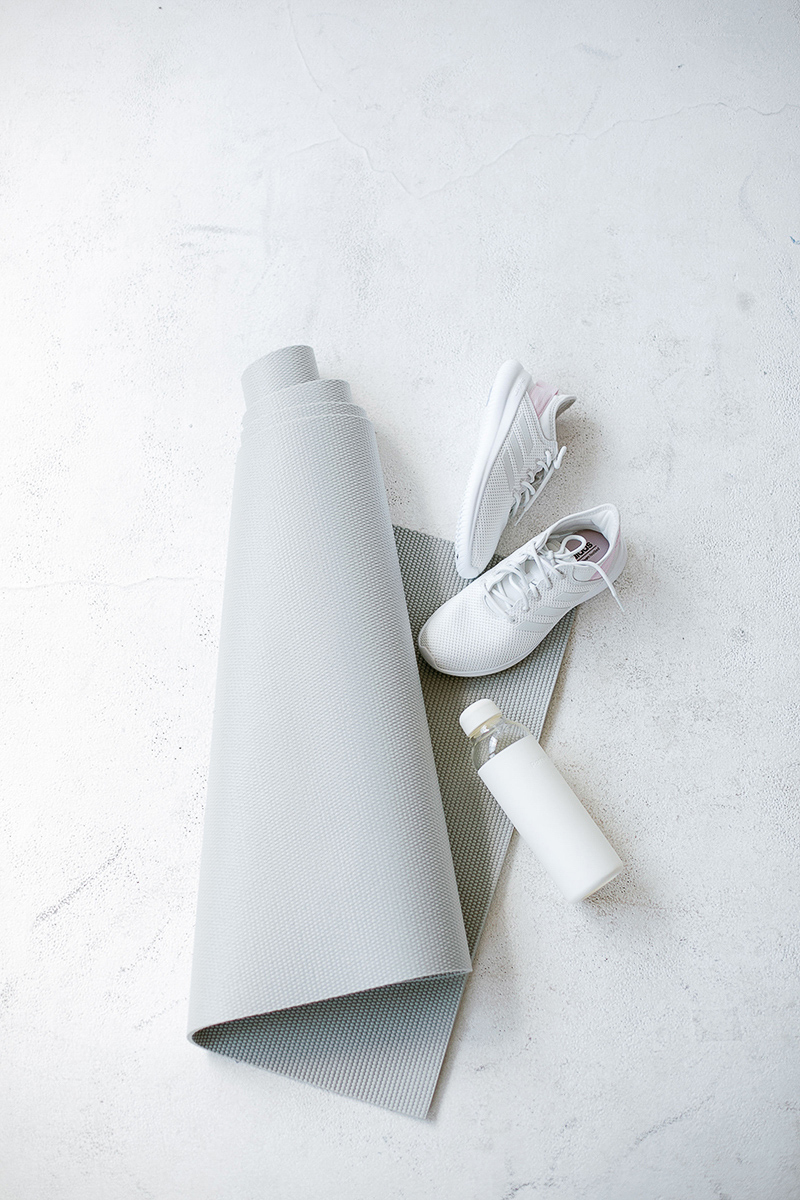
350	851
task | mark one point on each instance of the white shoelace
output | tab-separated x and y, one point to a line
527	489
512	593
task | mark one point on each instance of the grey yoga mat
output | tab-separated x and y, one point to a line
350	852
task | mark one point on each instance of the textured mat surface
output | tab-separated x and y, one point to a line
350	853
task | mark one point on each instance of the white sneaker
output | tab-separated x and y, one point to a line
517	456
499	619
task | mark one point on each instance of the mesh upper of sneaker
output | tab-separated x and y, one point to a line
501	617
465	637
492	516
523	447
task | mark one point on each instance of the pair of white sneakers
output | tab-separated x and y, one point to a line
504	615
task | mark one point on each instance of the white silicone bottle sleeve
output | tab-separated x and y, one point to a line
550	818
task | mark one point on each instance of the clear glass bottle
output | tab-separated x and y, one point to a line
493	736
537	799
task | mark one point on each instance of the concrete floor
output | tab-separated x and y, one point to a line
608	192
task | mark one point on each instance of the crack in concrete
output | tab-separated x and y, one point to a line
529	1183
553	137
681	1116
54	909
334	141
550	137
337	127
589	110
746	209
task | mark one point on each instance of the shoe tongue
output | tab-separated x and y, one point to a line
508	586
565	548
561	547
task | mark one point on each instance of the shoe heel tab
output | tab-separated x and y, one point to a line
617	556
562	403
557	405
606	517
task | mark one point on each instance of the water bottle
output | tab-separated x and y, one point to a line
539	802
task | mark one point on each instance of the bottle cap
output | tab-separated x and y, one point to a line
478	714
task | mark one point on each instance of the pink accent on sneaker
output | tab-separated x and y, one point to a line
541	394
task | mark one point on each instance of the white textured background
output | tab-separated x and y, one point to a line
608	191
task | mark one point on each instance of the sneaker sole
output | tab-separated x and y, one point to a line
504	399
